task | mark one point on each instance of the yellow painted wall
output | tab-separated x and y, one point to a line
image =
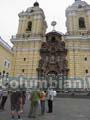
5	55
78	50
30	51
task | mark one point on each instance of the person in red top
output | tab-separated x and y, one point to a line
42	101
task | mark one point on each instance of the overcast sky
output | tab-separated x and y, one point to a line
53	9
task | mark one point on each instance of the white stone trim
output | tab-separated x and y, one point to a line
5	45
78	48
26	49
84	37
15	39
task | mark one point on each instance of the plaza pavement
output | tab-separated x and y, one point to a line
64	109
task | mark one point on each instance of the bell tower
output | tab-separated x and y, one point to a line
78	39
27	42
32	21
78	17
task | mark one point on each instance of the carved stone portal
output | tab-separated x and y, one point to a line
53	56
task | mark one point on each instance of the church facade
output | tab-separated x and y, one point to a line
37	53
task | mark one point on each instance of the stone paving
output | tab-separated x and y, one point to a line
64	109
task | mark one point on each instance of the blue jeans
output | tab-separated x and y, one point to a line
42	107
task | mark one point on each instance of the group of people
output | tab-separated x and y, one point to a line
37	98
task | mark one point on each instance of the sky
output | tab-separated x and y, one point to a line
53	9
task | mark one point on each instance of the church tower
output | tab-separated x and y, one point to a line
27	42
78	18
78	39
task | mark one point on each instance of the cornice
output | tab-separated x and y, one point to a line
78	48
16	38
26	49
5	45
77	37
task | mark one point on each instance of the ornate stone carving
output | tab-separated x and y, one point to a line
53	56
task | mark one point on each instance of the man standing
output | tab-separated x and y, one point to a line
50	95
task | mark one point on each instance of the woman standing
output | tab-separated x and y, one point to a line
42	101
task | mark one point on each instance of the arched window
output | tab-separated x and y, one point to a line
29	26
81	22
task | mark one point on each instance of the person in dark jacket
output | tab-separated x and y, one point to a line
15	99
4	99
